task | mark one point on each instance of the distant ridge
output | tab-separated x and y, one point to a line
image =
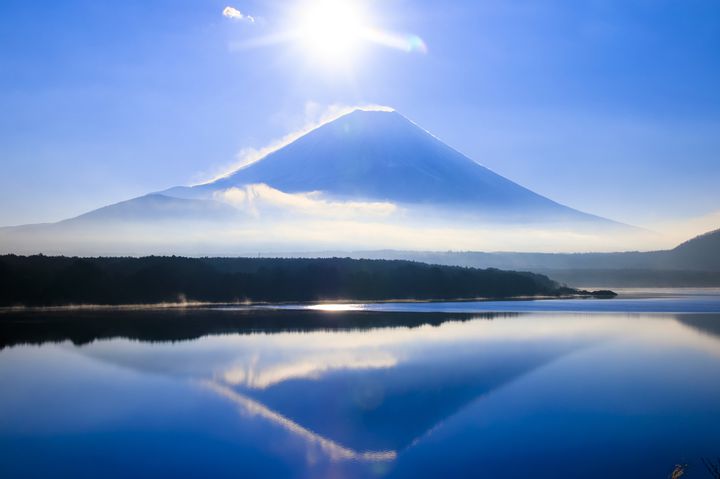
695	262
701	252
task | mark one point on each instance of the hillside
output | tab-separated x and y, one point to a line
699	253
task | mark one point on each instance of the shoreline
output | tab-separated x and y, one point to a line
270	305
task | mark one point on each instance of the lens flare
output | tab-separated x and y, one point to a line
406	43
332	30
331	33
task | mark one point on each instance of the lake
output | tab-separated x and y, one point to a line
628	387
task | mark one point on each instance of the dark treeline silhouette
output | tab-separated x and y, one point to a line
48	281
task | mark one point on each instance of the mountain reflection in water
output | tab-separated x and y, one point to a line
360	393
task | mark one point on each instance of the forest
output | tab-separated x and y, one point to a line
56	281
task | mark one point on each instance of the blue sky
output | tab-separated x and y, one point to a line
612	107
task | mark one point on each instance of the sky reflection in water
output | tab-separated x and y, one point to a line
541	395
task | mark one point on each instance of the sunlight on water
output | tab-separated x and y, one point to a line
331	307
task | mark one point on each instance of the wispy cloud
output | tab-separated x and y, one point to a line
262	200
235	14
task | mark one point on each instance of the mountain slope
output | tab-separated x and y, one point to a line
701	252
155	207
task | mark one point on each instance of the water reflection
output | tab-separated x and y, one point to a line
405	391
254	375
334	450
373	391
159	325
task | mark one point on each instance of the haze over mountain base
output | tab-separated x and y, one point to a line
219	229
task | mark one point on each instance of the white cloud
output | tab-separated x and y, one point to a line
235	14
260	200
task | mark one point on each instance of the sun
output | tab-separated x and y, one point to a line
330	34
332	31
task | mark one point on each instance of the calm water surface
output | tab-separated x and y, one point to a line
564	389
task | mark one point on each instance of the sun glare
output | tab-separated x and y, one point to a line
332	30
336	307
331	34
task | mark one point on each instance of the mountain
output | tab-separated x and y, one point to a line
700	253
383	156
365	180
